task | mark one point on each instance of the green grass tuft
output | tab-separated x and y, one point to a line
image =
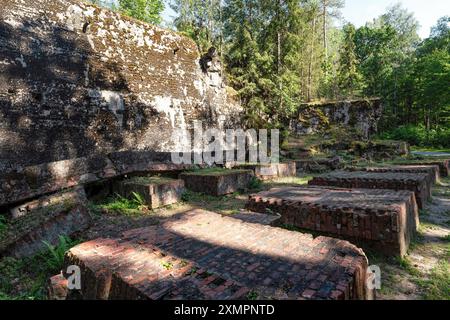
437	286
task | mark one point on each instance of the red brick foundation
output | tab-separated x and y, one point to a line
380	219
203	255
432	171
444	165
417	182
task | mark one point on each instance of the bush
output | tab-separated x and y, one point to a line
418	136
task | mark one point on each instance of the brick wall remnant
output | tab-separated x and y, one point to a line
219	258
419	183
46	219
383	220
432	171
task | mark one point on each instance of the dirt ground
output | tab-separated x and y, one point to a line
425	272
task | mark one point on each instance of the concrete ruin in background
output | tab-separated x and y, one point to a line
363	115
77	80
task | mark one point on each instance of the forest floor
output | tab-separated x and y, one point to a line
423	274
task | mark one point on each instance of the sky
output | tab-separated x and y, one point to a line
358	12
427	12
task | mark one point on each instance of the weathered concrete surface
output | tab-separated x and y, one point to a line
380	219
363	115
46	220
217	183
156	192
416	182
31	182
77	80
271	171
203	255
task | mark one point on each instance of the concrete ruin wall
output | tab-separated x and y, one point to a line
362	115
77	80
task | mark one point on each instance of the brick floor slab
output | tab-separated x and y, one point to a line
444	165
203	255
416	182
217	183
432	171
380	219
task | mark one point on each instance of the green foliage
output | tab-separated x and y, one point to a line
350	80
3	224
54	256
437	285
200	20
418	135
122	205
406	264
255	184
26	279
145	10
138	199
252	295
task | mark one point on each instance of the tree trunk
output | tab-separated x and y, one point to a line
279	53
311	61
325	31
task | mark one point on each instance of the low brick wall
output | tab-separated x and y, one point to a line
380	219
217	183
156	192
416	182
444	165
202	255
432	171
45	220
